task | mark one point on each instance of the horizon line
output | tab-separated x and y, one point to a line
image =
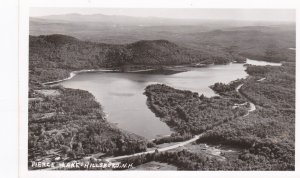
166	18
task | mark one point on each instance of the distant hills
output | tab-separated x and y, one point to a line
109	19
131	20
252	39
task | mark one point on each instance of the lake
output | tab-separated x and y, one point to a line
121	94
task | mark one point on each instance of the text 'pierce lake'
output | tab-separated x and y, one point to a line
122	98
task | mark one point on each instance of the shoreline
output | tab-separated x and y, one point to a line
74	73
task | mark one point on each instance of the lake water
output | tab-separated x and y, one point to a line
121	94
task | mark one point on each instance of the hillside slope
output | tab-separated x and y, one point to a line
53	57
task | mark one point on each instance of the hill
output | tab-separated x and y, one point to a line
53	57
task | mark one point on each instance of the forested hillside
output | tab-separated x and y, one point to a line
69	124
55	56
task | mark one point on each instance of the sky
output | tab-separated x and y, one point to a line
288	15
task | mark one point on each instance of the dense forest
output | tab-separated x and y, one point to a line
70	124
269	132
186	112
53	57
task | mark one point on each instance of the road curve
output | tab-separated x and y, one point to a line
252	106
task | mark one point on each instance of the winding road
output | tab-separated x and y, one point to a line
252	106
